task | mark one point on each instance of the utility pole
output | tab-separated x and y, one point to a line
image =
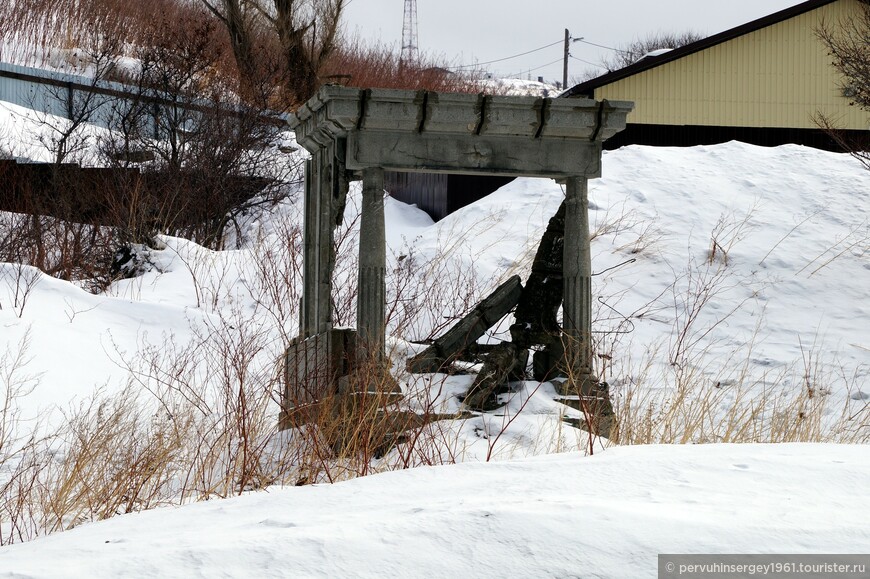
565	63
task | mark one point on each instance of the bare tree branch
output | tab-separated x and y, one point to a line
305	33
634	51
848	45
214	11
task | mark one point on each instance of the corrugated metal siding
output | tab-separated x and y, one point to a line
50	92
779	76
31	94
428	191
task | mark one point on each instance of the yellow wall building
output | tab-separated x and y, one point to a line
763	82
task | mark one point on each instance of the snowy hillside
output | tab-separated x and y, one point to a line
756	257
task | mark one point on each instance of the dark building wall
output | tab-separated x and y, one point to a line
690	135
440	194
464	190
101	195
428	191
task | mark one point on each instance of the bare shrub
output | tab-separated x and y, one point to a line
846	43
20	281
276	277
211	156
856	145
634	51
116	459
21	460
198	417
750	409
60	29
56	233
358	64
708	389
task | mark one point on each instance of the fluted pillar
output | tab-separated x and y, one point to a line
325	193
371	293
577	271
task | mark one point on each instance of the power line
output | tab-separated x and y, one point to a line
527	70
476	64
585	61
599	45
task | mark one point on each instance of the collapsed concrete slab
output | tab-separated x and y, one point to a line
444	350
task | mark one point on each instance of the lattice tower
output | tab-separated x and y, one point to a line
410	51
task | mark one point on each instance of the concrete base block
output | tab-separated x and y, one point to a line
326	367
312	369
590	397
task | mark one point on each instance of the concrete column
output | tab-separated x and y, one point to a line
371	296
308	310
577	271
325	240
318	253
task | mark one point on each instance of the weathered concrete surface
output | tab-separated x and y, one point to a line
593	401
577	272
469	329
313	366
371	287
473	154
505	363
538	307
326	187
324	374
461	133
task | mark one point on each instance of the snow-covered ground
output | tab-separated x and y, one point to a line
519	87
607	515
730	278
31	136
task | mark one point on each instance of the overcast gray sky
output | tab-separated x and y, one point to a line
468	31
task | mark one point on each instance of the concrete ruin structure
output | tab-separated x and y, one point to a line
354	134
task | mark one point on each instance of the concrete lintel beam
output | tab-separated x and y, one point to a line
331	113
336	112
556	158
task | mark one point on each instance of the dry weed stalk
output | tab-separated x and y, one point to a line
705	395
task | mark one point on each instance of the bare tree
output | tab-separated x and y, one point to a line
634	51
66	136
848	44
239	23
304	31
206	155
59	25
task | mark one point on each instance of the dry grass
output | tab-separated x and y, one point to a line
652	410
